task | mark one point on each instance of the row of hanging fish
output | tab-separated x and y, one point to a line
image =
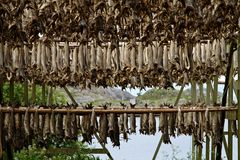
21	128
82	20
131	64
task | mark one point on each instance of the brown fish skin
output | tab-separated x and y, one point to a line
67	125
92	128
46	128
116	131
103	129
111	126
132	123
53	124
74	131
59	126
166	138
152	124
121	123
26	123
132	120
85	129
36	123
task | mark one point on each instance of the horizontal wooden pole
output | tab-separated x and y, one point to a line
68	151
117	110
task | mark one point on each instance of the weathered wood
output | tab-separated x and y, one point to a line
81	111
71	150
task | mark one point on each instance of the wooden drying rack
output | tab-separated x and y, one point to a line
139	110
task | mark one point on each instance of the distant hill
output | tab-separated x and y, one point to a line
99	95
160	96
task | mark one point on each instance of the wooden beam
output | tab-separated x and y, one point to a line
238	96
158	148
103	146
81	111
1	119
71	150
70	95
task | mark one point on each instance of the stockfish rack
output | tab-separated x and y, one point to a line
123	43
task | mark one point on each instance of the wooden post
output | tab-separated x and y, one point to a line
26	92
199	151
230	99
103	146
158	148
49	97
11	91
238	95
179	95
43	94
1	119
33	97
224	101
194	96
70	95
208	103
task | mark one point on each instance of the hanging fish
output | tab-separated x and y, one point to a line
36	123
172	123
116	131
53	124
121	123
132	120
74	131
86	120
92	128
165	135
152	124
103	129
59	125
125	124
46	128
26	123
67	125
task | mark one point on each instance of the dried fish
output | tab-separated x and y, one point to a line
67	125
53	123
92	128
152	124
132	120
27	123
59	125
74	131
46	128
103	129
36	123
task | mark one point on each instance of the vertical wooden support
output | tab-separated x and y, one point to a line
25	84
1	119
208	103
11	91
230	100
70	95
238	95
103	146
9	150
49	97
194	100
199	148
224	101
158	148
33	96
43	94
214	101
179	95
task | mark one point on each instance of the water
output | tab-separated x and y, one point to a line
142	147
